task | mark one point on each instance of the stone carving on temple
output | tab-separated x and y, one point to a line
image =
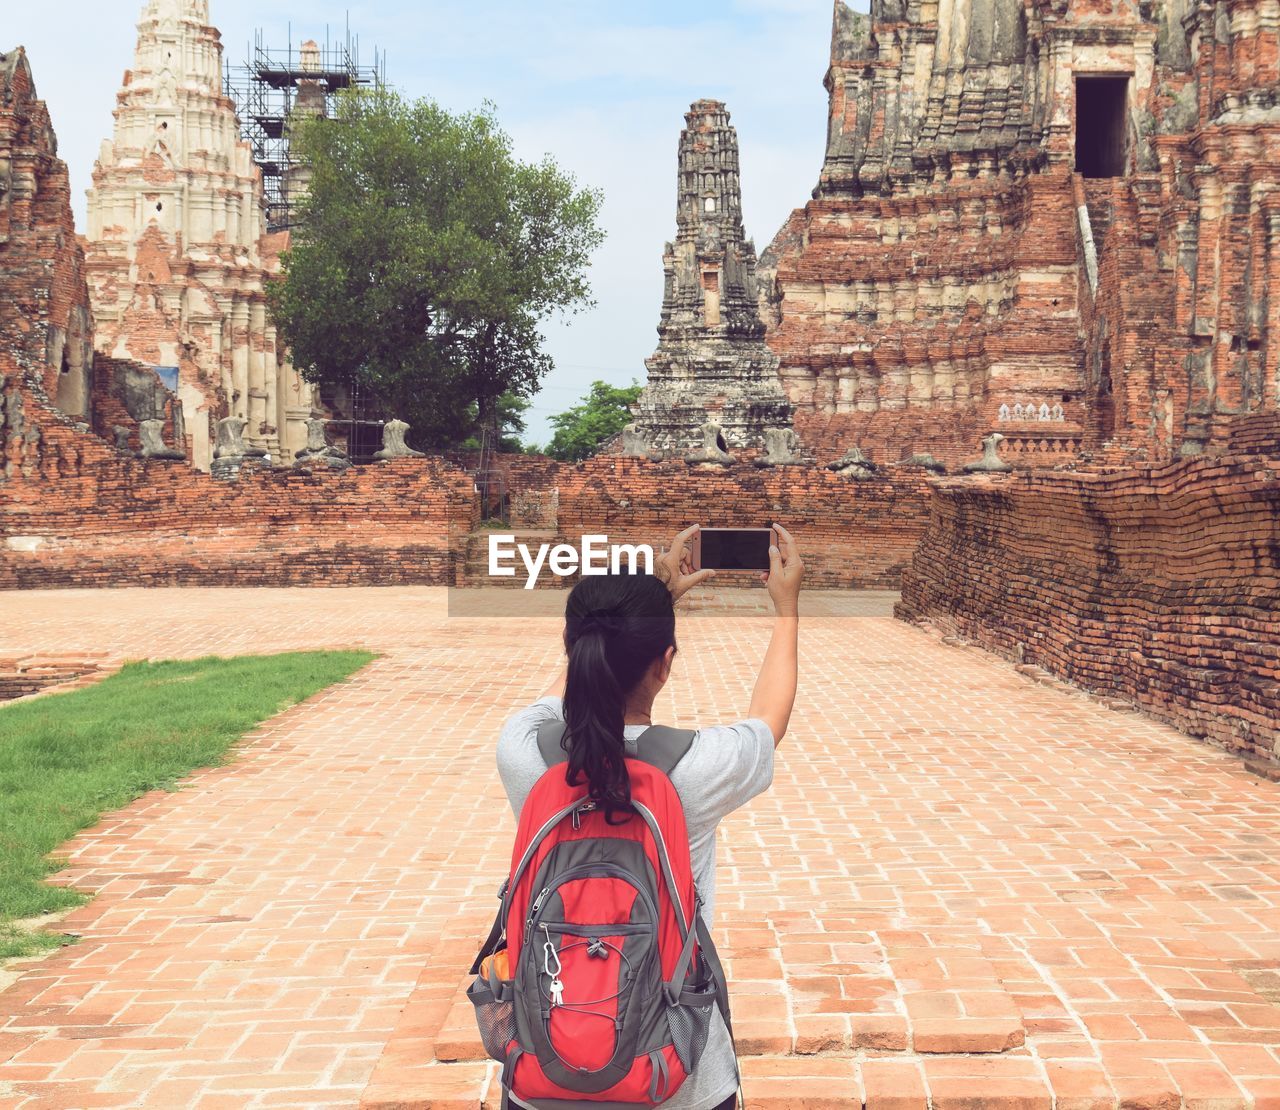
855	465
393	444
153	444
230	443
714	450
319	453
991	462
927	462
782	448
231	454
636	445
711	355
178	258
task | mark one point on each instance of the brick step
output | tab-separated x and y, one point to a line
23	676
761	1019
876	1083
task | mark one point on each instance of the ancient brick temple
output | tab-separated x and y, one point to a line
46	330
711	360
178	256
1048	218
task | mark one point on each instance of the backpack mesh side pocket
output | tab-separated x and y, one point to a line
495	1017
690	1025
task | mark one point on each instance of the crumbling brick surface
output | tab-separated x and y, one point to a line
82	514
956	260
904	323
1156	584
855	533
45	324
79	513
24	675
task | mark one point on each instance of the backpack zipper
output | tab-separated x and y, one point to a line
533	911
568	928
585	870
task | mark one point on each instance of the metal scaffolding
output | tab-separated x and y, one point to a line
273	87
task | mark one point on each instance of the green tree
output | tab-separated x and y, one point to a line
426	258
604	412
510	411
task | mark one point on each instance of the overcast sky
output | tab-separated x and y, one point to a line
601	86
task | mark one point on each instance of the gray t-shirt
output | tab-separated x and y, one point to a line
725	768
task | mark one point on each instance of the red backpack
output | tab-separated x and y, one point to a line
598	980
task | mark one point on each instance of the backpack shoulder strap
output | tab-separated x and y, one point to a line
663	747
550	733
659	745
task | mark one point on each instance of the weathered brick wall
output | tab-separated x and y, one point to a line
853	533
904	322
889	436
77	513
1159	584
1255	435
528	483
941	270
45	323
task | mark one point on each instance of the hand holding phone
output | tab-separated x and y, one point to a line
676	566
786	573
732	548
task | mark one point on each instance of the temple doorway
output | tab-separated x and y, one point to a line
1101	118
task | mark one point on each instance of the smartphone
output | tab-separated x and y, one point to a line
732	548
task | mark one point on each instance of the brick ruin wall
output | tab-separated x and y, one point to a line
1146	567
1158	584
890	313
76	512
46	327
854	533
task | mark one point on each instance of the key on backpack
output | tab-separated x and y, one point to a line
557	993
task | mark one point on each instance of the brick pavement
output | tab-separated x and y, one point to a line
965	890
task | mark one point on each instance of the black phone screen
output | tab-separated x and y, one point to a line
735	548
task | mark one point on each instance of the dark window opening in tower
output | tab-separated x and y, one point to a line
1101	118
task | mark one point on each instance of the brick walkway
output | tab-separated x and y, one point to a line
965	886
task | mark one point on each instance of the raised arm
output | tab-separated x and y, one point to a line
775	690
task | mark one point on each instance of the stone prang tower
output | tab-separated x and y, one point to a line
178	254
711	361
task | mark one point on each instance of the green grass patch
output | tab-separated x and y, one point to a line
68	758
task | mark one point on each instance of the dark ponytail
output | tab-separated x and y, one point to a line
616	625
